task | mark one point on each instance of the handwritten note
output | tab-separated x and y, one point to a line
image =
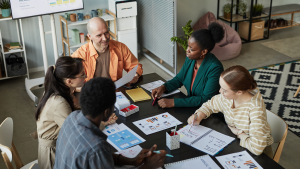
194	133
131	152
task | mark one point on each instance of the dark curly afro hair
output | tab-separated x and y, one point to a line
207	38
97	95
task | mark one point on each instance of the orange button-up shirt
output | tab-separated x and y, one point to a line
120	58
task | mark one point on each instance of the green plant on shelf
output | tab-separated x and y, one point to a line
227	8
242	7
188	30
5	4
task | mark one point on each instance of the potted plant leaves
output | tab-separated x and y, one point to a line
188	30
254	10
5	8
242	8
260	8
227	10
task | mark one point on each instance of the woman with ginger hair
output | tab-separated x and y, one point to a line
244	110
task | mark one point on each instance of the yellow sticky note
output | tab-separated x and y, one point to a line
181	135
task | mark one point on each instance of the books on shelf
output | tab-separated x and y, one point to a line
13	46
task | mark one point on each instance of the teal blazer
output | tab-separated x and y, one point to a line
206	83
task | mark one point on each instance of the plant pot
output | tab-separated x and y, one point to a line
227	15
259	13
5	12
244	16
254	14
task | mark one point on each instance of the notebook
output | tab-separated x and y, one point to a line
204	139
152	85
203	162
138	94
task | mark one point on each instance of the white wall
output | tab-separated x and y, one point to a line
194	9
32	35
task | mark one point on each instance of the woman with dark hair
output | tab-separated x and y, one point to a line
244	110
200	72
56	104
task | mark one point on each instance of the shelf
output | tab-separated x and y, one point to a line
72	45
5	18
291	24
106	17
239	18
6	51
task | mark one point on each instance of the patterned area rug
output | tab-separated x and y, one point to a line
278	84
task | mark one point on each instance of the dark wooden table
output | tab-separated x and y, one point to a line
182	114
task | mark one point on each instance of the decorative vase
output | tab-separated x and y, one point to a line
227	15
5	12
73	17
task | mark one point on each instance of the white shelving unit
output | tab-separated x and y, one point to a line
67	45
5	51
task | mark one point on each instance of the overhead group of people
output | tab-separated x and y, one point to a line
70	130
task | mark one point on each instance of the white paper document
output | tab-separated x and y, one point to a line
152	85
157	123
204	139
127	78
121	137
203	162
241	160
131	152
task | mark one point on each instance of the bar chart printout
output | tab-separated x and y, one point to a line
66	1
52	3
72	1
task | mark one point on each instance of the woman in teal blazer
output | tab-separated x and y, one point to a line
200	73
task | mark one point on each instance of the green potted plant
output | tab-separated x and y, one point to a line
227	10
242	8
5	8
260	8
254	10
188	30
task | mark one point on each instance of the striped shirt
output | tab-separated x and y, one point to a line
251	117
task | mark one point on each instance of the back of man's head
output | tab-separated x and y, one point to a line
96	96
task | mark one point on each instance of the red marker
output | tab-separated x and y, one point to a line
154	101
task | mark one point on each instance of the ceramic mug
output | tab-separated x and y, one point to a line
67	16
73	17
80	16
100	11
94	13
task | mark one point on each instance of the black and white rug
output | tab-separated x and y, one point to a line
278	84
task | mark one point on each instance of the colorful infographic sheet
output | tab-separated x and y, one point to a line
121	137
241	160
157	123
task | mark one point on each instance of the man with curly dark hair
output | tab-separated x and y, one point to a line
81	144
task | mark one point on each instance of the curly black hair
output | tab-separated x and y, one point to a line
207	38
97	95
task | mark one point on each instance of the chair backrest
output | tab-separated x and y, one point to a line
34	166
278	126
6	135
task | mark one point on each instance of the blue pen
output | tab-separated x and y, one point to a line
168	155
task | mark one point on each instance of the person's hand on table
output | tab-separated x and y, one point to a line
149	159
166	103
135	79
157	92
197	121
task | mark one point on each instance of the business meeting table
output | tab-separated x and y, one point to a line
182	114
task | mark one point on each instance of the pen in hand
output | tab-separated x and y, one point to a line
193	122
158	152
